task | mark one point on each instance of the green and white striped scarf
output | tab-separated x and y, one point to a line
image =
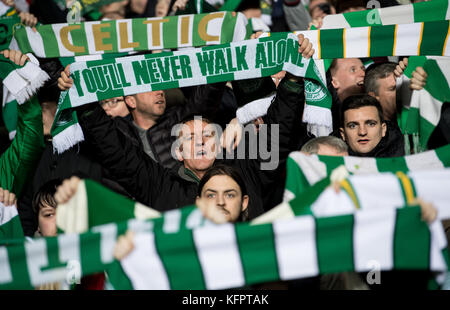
304	170
22	81
365	192
425	109
97	80
10	225
401	14
248	254
127	35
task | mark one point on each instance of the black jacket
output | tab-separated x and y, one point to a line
160	136
165	189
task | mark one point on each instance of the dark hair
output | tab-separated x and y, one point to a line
221	169
45	195
375	72
359	101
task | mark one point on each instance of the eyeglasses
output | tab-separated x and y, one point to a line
111	102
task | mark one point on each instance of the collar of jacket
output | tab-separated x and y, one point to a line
187	174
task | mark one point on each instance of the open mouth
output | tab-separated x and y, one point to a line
200	153
363	141
160	102
360	83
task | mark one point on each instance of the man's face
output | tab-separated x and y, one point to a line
387	96
198	148
348	78
362	129
151	104
223	194
115	107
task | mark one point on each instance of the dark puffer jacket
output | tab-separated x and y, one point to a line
165	189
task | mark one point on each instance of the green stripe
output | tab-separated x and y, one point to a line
139	28
332	38
301	205
437	84
105	206
426	129
196	40
113	36
179	256
296	181
220	78
118	278
258	254
171	41
392	164
49	40
331	162
52	254
79	39
334	239
430	11
22	40
90	252
433	38
412	240
230	23
360	19
11	229
443	153
10	115
19	268
382	40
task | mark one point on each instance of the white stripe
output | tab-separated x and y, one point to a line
150	35
358	165
313	169
143	265
190	17
430	108
433	186
139	226
5	269
240	27
447	16
219	256
356	42
63	52
7	213
313	37
108	237
407	39
90	37
172	219
214	28
424	161
385	183
335	21
295	244
331	203
438	244
74	98
402	14
373	236
36	42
